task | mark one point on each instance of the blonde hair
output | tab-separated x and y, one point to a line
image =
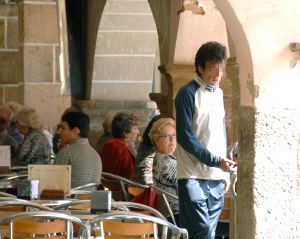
157	128
28	117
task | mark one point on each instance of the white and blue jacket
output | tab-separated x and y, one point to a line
201	132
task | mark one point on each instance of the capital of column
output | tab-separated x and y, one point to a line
173	78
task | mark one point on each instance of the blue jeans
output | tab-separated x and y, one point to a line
200	205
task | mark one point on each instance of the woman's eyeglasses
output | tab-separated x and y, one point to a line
168	136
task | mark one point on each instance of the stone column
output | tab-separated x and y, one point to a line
39	59
232	105
267	175
173	78
232	98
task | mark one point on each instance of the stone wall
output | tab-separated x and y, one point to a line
268	148
11	88
39	47
29	67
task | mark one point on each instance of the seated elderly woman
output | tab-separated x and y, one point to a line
163	135
115	155
35	148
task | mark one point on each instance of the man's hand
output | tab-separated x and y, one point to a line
228	165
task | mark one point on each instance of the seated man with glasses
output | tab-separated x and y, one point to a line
163	136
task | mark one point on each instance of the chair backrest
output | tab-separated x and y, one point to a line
4	194
132	206
19	169
74	205
85	186
121	229
164	205
80	194
133	189
115	205
9	208
11	199
24	203
122	224
43	224
116	186
83	191
14	177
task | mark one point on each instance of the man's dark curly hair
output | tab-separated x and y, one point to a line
210	51
122	123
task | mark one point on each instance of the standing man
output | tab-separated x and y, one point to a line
202	166
85	161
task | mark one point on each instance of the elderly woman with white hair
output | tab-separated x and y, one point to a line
163	136
35	148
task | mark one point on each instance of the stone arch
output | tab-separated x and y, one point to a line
240	48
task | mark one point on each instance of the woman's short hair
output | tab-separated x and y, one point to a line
28	117
122	123
157	128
